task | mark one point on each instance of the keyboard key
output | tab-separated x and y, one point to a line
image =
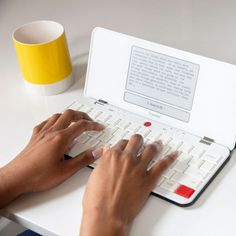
85	108
168	173
83	138
184	191
196	173
196	162
77	148
186	180
123	124
160	181
165	139
185	147
94	114
207	166
184	157
154	135
180	166
175	144
169	185
196	151
143	131
133	127
215	159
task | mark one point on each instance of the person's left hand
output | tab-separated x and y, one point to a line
41	165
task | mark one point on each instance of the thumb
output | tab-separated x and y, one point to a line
78	162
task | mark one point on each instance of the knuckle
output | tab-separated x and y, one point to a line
36	129
58	136
84	124
69	112
115	152
56	115
163	164
153	148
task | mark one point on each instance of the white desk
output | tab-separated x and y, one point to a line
202	27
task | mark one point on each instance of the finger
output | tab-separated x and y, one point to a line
39	127
162	165
121	144
81	126
68	117
150	151
134	144
51	121
73	165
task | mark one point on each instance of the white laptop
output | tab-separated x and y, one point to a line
186	100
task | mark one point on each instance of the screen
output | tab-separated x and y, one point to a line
161	83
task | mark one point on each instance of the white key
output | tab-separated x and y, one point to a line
207	166
123	124
111	121
165	139
102	118
143	131
160	181
186	180
105	136
198	152
133	127
196	162
169	185
114	140
119	132
75	106
211	158
196	173
127	135
94	114
168	173
186	147
94	134
77	149
184	157
83	138
175	144
93	142
85	108
154	135
180	166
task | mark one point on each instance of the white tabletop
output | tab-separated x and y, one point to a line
203	27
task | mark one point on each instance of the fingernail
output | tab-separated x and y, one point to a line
97	153
175	153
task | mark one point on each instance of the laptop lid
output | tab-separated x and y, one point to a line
185	90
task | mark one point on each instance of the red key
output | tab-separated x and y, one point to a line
184	191
147	124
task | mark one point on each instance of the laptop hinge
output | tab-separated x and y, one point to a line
101	102
207	141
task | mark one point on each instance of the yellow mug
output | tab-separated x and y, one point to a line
43	56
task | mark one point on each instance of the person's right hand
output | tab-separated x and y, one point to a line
120	185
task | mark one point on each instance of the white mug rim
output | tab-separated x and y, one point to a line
58	31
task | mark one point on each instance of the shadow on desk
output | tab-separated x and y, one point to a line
79	64
55	196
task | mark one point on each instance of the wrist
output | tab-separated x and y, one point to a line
10	187
99	223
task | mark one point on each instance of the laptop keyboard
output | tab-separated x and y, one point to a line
192	167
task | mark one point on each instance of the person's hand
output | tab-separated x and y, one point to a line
41	165
120	185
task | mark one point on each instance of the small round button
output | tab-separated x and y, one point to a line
147	124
